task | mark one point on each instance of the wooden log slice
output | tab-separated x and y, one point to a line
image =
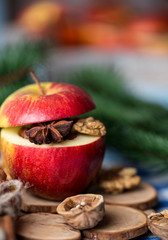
119	223
45	226
33	204
142	197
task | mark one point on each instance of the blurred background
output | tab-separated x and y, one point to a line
133	34
107	24
116	50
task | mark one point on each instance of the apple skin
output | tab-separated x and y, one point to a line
61	100
54	172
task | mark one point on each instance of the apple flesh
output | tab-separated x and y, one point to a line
53	171
61	100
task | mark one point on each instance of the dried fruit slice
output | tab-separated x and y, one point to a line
45	226
158	224
32	203
82	211
119	223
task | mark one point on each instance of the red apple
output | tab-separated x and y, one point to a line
148	32
103	35
41	18
148	24
110	13
55	170
99	34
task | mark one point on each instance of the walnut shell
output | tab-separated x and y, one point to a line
82	211
158	224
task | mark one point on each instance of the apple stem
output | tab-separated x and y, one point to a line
32	74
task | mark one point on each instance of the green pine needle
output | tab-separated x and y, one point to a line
15	61
20	55
136	128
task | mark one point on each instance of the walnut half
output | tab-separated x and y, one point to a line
90	126
118	179
82	211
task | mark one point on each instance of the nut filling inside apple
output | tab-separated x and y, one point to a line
58	131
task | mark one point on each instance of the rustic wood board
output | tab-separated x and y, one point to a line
142	197
33	204
45	226
119	223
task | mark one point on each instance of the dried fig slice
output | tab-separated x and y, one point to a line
158	224
45	226
82	211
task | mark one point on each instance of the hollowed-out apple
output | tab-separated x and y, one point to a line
54	170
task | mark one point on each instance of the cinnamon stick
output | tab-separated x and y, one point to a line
3	175
7	224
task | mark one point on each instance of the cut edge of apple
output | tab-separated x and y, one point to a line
12	135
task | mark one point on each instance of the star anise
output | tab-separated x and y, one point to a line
52	132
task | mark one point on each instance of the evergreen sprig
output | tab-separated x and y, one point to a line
15	61
137	128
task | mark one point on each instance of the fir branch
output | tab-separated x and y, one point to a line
135	139
135	127
19	56
15	61
109	84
